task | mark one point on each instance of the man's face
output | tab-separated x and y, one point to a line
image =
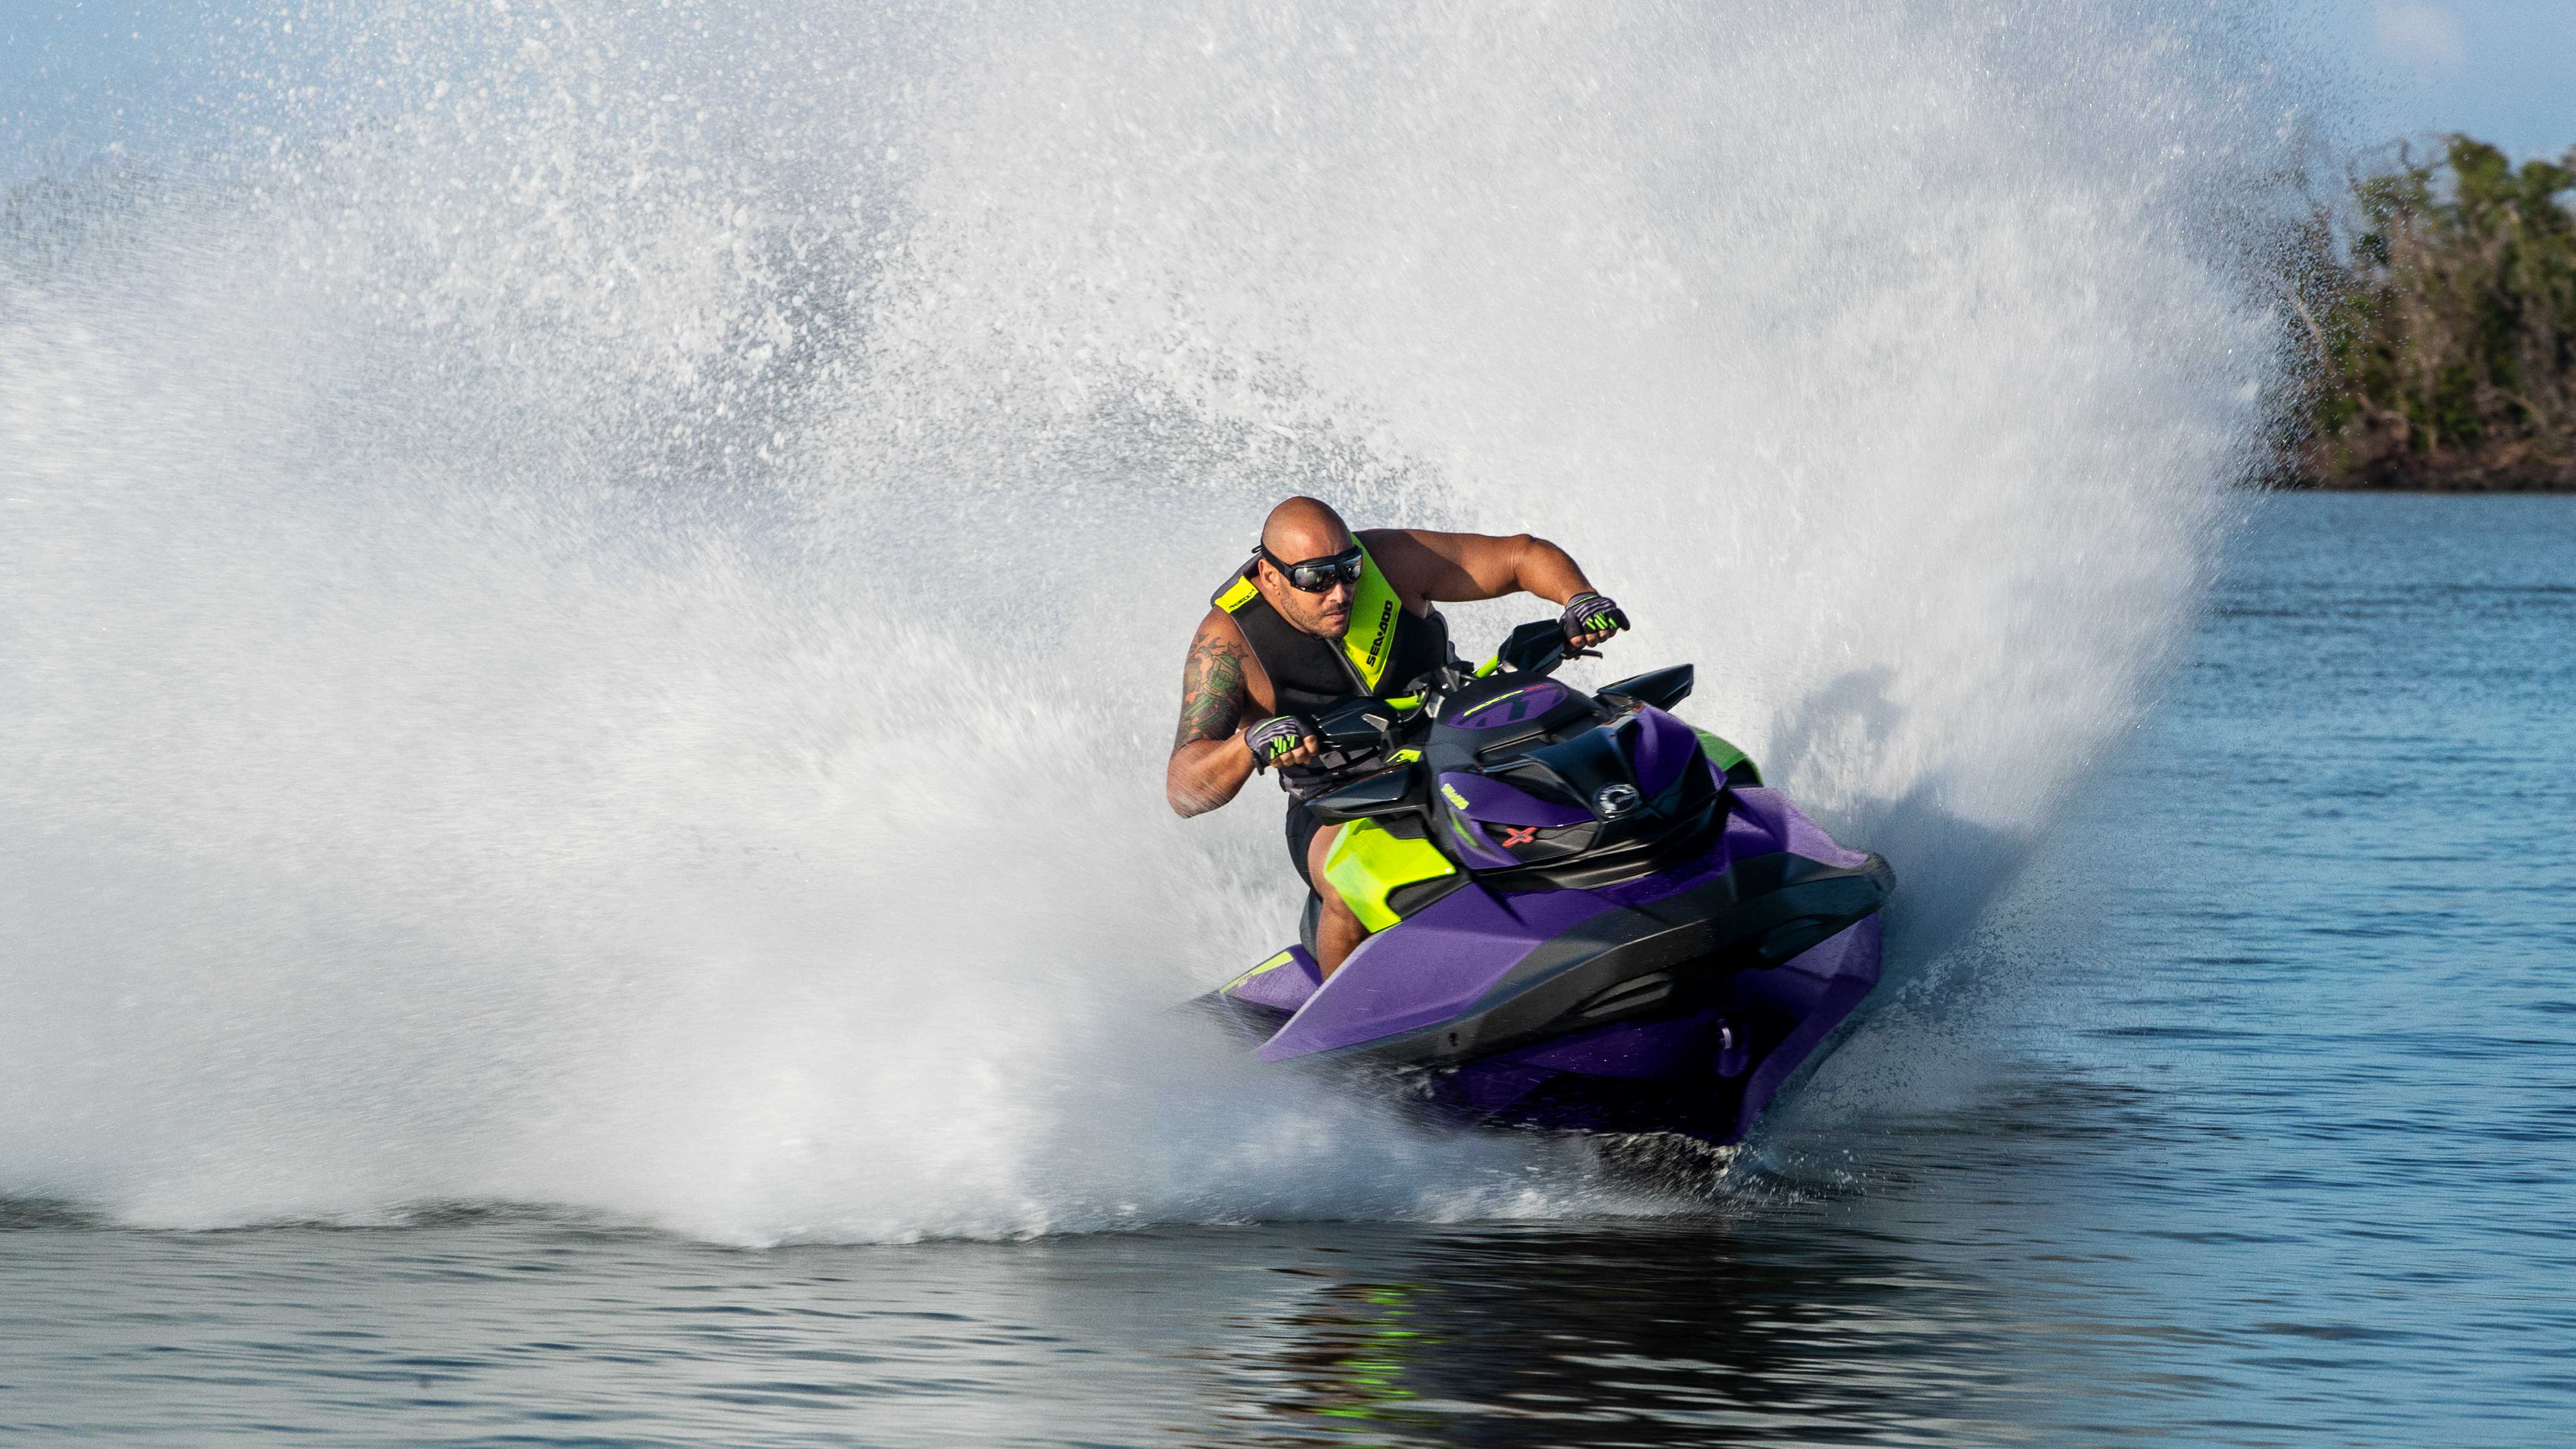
1327	614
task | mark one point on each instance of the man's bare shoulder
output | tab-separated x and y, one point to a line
1427	566
1383	541
1408	563
1218	628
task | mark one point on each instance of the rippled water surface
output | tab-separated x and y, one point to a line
2247	1119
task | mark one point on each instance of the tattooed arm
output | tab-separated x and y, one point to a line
1220	687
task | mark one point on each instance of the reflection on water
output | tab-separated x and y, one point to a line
1707	1329
1526	1336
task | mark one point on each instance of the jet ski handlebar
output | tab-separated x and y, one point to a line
1370	725
1535	648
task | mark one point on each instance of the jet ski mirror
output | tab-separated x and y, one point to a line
1662	688
1536	647
1358	724
1388	792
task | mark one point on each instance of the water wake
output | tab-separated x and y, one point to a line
588	609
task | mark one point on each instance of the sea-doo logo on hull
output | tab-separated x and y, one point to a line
1613	801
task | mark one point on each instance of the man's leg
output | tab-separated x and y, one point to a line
1338	933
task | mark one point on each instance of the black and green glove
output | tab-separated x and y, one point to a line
1277	737
1590	613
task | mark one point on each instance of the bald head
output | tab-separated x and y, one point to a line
1304	528
1297	531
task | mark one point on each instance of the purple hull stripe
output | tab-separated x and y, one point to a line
1490	799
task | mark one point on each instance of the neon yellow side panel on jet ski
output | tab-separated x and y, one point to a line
1366	863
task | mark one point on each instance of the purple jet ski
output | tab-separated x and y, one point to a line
1585	915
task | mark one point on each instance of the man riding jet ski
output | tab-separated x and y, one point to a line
1350	617
1538	907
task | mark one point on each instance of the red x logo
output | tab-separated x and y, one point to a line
1518	835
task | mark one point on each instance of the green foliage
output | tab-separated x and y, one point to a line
2445	342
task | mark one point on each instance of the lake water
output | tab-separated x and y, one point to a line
2248	1118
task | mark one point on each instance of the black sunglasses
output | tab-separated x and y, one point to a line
1318	575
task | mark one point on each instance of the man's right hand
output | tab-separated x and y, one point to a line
1282	739
1590	618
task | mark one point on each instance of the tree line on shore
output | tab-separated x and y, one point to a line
2437	314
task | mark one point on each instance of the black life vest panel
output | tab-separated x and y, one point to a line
1387	648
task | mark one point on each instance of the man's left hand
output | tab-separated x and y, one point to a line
1590	618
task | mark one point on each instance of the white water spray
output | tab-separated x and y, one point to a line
589	614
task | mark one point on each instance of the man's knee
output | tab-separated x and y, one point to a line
1317	852
1338	931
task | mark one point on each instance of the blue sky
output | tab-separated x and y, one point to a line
76	75
2501	70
